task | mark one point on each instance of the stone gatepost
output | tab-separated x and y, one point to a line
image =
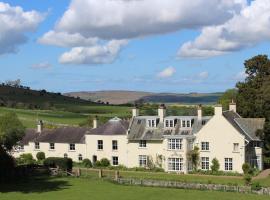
100	173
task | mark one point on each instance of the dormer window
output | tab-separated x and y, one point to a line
188	123
151	123
183	123
169	123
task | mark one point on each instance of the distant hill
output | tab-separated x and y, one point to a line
123	97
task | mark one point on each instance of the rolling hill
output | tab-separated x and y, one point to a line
123	97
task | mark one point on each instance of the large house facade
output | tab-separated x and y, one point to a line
160	141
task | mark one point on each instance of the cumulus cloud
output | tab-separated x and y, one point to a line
41	65
98	54
15	23
248	28
166	73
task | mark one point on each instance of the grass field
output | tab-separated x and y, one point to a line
92	189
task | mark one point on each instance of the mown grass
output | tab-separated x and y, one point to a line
85	189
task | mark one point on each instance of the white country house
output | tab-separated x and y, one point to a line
163	141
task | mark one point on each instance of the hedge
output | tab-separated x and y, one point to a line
62	163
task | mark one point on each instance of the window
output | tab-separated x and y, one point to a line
142	160
205	163
188	123
205	146
80	158
228	164
235	147
151	123
72	147
100	145
174	144
183	123
142	144
115	160
175	164
51	146
169	123
65	155
37	145
114	145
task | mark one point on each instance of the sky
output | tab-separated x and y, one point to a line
138	45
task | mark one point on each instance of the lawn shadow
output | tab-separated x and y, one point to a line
36	184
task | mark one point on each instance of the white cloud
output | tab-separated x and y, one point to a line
42	65
240	76
64	39
203	75
15	23
166	73
98	54
124	19
248	28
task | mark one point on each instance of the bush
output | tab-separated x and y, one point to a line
87	163
256	186
104	162
62	163
40	156
247	179
7	165
246	168
25	159
215	165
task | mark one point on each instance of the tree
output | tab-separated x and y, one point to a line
253	97
40	156
215	165
227	98
194	156
25	159
11	130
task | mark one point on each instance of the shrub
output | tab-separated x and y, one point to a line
215	165
104	162
246	168
97	164
87	163
40	156
62	163
247	179
25	159
256	186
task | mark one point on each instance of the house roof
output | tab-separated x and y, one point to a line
59	135
115	126
139	131
246	126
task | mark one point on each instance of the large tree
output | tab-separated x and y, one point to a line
11	130
253	99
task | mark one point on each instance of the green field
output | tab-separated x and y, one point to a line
86	188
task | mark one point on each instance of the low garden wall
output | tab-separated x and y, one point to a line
195	186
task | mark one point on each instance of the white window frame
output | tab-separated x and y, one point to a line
142	144
52	146
188	124
183	123
80	157
142	160
236	147
228	164
205	165
169	123
151	123
175	164
37	146
175	144
100	145
114	145
115	161
205	146
72	147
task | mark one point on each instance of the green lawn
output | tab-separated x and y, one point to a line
92	189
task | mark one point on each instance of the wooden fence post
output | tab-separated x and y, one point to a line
100	173
116	175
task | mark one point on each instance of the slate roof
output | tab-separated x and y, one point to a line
246	126
115	126
139	131
59	135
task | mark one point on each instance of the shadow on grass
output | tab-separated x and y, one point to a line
36	184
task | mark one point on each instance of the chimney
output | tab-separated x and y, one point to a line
39	126
218	109
162	112
232	106
135	111
199	110
95	122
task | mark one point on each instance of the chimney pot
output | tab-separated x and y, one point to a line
218	109
162	112
95	122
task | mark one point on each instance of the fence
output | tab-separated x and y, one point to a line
193	186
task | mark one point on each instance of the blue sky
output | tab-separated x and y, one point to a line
176	53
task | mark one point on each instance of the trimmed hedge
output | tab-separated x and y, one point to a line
62	163
40	156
